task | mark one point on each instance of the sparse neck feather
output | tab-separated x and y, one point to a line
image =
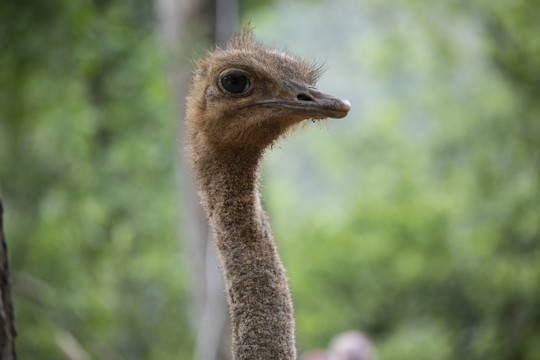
257	290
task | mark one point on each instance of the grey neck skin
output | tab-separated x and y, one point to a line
258	295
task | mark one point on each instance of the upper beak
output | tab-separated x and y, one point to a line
308	102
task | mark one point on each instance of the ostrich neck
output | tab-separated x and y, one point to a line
257	291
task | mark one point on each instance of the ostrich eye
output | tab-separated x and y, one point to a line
235	83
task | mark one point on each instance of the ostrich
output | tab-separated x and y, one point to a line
244	97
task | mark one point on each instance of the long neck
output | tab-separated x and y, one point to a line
258	295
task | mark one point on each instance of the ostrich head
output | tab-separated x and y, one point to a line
249	94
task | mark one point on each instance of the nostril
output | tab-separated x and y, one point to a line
304	97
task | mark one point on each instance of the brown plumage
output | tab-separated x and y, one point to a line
242	99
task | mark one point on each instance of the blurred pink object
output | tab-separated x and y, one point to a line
314	355
351	345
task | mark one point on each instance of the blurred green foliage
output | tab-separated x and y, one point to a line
428	237
87	152
419	225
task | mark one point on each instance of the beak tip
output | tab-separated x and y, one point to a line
346	105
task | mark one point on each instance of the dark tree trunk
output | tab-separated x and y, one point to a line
7	312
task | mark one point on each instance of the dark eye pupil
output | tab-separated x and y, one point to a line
235	83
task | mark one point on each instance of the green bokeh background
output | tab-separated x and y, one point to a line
415	219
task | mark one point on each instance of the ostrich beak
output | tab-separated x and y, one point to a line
309	101
306	102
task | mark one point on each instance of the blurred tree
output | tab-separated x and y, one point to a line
177	30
